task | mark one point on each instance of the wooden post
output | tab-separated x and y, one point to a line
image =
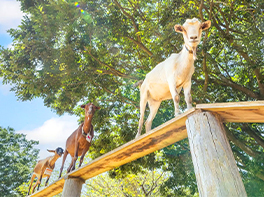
72	187
214	164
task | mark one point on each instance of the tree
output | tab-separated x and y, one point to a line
67	56
139	185
17	159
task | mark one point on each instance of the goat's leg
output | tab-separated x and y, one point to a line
39	181
70	167
32	180
34	187
175	96
75	156
143	102
187	94
47	181
83	154
153	106
63	160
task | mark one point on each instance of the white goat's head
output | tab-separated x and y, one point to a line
192	31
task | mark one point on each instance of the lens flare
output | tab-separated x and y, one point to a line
77	4
86	15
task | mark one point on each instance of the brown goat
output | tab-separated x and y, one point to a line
79	142
44	168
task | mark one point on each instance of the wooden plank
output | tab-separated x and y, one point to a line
249	111
158	138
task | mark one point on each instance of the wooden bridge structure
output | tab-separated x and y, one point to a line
214	164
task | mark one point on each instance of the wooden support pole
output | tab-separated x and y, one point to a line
214	164
72	187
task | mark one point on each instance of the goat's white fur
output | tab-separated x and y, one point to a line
167	79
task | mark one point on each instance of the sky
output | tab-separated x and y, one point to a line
30	117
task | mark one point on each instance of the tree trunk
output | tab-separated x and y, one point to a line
214	164
72	187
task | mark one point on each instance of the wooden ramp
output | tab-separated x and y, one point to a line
158	138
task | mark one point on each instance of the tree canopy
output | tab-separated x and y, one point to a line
94	51
17	158
140	185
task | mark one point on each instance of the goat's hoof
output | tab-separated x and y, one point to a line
176	114
137	136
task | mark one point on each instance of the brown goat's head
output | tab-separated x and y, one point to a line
59	151
90	108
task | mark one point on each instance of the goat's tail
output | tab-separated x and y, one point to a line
139	83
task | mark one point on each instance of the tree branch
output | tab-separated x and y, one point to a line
124	99
240	144
226	22
140	46
240	51
137	9
232	84
130	17
260	175
113	71
253	134
206	75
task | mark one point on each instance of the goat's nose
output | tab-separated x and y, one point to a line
193	37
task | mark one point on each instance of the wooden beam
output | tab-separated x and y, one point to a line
166	134
158	138
72	187
214	164
249	111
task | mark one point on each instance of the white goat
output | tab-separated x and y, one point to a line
167	79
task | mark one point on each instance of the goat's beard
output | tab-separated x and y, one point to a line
194	52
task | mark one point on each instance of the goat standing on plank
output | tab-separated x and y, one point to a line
80	140
44	168
167	79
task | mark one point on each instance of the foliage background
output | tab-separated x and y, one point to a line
68	57
17	158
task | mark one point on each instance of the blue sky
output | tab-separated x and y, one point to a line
31	117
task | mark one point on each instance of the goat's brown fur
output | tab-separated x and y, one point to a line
42	165
76	144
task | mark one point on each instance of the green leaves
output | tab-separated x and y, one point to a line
68	57
17	158
146	184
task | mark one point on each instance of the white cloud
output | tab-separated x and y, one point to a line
10	14
52	134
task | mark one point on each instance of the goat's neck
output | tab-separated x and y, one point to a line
188	54
87	123
52	160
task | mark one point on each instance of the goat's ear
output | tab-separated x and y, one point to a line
179	28
51	151
97	107
205	25
83	106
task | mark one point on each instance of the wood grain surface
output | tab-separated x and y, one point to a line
214	164
249	111
166	134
